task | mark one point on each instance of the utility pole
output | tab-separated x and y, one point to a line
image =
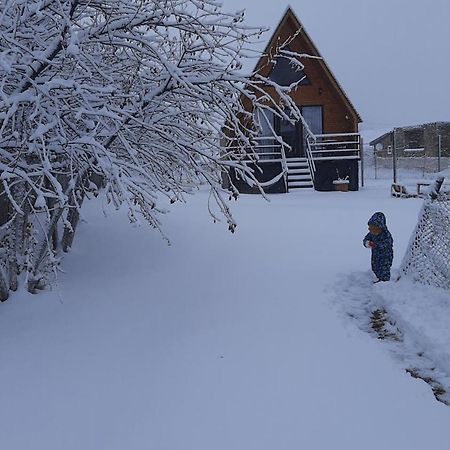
361	147
394	156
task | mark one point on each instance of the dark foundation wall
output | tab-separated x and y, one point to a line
267	171
327	172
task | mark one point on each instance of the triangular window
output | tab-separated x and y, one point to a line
285	73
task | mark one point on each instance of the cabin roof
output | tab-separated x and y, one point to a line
380	138
289	14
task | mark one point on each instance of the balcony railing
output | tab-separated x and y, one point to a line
335	146
319	147
267	150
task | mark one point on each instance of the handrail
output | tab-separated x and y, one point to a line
325	143
310	159
284	167
335	134
336	150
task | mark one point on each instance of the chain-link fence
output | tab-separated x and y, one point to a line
427	259
379	165
416	164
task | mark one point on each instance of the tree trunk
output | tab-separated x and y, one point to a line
17	236
4	288
13	271
35	280
69	233
44	248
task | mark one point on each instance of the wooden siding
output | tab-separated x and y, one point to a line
323	90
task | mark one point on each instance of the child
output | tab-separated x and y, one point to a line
380	241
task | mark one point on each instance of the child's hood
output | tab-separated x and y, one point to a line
378	220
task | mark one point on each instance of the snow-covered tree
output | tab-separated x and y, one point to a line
133	97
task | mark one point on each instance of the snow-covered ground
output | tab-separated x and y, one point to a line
414	325
224	341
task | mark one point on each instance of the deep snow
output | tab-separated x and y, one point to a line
219	341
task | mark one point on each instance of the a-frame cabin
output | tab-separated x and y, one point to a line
331	148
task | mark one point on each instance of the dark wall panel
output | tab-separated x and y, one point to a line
327	172
269	171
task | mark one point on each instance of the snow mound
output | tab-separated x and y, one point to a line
417	318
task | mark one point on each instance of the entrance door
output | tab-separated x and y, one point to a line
291	135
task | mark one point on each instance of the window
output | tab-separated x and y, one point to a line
313	116
285	73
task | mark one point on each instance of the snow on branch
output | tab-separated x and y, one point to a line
135	98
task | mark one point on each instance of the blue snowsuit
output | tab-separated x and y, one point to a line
382	252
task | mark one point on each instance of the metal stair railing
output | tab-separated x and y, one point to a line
284	166
309	156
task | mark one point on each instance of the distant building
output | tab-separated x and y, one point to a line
417	140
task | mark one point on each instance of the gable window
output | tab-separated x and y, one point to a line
284	72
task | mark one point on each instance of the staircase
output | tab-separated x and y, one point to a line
298	174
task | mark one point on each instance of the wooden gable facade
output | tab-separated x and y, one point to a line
330	149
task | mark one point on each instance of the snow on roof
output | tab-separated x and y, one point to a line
380	138
414	150
408	127
412	127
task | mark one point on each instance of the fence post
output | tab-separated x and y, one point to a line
375	156
361	149
439	152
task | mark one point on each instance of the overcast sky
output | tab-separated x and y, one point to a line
392	57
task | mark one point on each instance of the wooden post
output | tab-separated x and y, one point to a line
436	188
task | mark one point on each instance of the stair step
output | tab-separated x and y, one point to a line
299	185
300	178
297	160
297	167
291	162
298	172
